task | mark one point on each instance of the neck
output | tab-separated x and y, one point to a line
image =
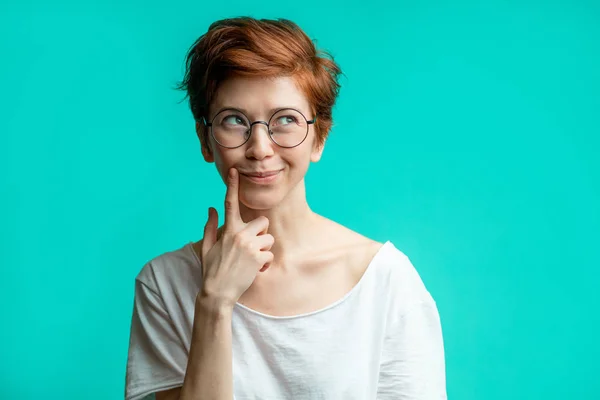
292	223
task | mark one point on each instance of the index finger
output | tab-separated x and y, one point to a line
232	207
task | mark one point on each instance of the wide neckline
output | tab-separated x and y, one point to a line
350	293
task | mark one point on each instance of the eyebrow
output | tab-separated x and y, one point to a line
271	111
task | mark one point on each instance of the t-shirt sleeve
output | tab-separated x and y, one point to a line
413	366
156	358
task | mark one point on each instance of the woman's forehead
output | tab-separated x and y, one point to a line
259	95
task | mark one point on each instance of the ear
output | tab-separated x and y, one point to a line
317	151
204	142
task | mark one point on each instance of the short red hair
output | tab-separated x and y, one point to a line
267	48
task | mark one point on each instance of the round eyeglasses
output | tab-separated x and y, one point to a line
287	127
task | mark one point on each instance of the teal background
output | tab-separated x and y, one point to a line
466	133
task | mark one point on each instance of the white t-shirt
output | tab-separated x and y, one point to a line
382	340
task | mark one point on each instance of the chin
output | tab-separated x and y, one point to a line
259	201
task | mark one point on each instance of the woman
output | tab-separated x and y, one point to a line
279	302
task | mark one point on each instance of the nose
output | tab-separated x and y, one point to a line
259	144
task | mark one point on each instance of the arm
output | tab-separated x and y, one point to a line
209	368
229	266
413	366
172	394
158	360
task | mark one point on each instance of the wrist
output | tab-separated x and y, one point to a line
213	306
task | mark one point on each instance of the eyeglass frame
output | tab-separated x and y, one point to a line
267	124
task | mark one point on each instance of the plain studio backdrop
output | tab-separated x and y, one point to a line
467	133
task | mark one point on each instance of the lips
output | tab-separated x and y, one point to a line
262	178
264	174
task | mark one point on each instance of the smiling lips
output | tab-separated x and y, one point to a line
263	174
261	177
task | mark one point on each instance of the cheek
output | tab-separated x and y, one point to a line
222	163
224	160
298	165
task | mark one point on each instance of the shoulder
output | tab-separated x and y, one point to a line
348	238
179	268
406	287
356	250
393	278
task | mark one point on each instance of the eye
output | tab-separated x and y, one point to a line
286	119
233	120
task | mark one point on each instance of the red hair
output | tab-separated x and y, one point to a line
267	48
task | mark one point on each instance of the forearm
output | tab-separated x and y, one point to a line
209	373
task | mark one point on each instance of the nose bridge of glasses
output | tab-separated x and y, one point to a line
265	123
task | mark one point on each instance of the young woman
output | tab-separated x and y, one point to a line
279	302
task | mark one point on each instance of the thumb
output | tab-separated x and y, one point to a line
210	232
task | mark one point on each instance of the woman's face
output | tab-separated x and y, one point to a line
258	98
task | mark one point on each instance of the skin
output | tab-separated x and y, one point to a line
291	221
300	242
